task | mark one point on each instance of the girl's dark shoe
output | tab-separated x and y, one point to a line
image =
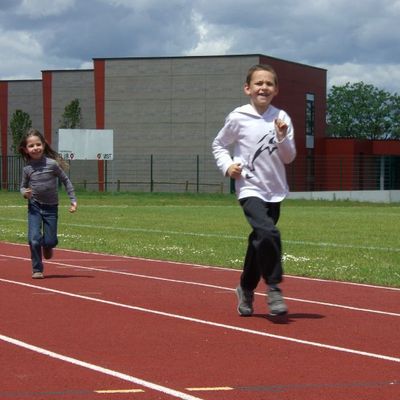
47	253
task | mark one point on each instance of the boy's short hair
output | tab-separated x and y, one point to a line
261	67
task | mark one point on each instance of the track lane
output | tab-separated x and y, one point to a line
356	330
180	351
181	348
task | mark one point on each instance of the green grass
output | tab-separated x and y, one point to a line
358	242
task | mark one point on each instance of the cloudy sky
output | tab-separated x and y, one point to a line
356	40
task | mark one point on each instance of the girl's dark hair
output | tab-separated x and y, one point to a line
48	150
261	67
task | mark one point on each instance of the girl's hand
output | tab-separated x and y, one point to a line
234	171
73	207
281	128
28	193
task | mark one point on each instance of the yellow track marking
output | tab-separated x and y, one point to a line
209	389
119	391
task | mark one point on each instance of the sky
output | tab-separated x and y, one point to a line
357	40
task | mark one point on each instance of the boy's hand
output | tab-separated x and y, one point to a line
281	128
235	171
73	207
28	193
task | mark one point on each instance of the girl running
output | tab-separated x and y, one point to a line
39	186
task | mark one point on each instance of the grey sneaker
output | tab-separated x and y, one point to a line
37	275
245	301
276	303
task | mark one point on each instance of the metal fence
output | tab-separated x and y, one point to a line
10	172
196	173
337	173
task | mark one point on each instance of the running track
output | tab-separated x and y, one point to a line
111	327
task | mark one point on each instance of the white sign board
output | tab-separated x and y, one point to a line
86	144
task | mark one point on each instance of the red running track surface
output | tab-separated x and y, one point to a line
111	327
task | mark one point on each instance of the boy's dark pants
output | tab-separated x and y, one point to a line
263	257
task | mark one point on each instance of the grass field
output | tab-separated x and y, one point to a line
358	242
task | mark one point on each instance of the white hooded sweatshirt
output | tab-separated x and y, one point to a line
257	149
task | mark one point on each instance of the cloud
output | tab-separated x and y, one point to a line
43	8
209	42
20	50
353	40
371	74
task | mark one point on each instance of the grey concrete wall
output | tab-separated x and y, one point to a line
26	96
66	87
171	106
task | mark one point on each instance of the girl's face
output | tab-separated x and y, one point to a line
34	147
261	90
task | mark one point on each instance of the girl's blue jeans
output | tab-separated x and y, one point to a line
42	230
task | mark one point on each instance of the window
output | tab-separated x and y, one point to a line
310	120
310	114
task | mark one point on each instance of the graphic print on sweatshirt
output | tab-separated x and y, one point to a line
266	143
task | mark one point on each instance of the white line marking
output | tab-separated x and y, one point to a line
306	278
110	271
210	323
392	314
231	290
342	245
97	368
396	289
219	235
237	237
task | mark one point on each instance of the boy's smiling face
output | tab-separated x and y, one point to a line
261	90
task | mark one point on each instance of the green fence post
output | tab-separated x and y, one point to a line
232	185
105	175
151	174
197	173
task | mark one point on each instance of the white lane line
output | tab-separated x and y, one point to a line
219	235
367	285
388	313
306	278
97	368
110	271
210	323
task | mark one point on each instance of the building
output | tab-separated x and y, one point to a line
165	112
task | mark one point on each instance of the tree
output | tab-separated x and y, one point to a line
71	117
363	111
19	125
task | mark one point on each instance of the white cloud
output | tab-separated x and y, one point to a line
42	8
141	4
22	52
20	43
208	43
355	40
384	77
86	65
